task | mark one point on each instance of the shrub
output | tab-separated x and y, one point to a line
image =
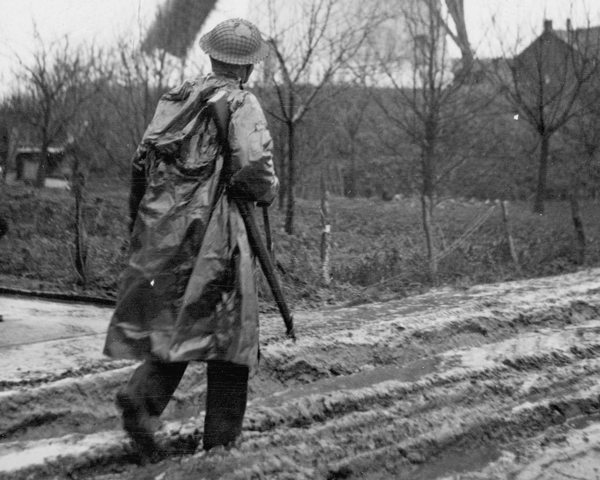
377	247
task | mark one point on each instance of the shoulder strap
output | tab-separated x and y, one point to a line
218	109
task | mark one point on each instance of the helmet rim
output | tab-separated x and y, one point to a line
235	41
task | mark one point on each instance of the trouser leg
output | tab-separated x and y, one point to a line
226	396
154	383
146	395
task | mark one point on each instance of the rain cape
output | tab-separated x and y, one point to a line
189	291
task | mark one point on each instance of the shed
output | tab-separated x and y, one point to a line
27	161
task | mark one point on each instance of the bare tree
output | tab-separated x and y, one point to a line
544	84
313	42
52	90
456	9
435	110
351	118
583	134
51	101
126	106
583	131
78	183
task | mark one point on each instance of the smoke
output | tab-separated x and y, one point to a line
176	25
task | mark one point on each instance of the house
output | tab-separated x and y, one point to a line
557	61
553	82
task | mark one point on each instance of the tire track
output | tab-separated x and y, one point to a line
366	392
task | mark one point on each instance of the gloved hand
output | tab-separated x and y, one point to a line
241	191
263	203
237	190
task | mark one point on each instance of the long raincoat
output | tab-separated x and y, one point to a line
189	291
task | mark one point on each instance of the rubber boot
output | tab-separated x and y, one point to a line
137	423
226	396
145	397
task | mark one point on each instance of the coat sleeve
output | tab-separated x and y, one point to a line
253	173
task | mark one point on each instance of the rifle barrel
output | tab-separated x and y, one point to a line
246	210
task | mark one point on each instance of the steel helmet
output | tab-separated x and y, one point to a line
235	41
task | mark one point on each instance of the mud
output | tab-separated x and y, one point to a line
495	382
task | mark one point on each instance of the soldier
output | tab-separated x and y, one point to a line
189	291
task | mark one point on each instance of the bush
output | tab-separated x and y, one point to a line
377	251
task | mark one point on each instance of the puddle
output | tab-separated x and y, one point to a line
583	421
452	464
412	372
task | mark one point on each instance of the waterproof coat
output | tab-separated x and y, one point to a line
189	291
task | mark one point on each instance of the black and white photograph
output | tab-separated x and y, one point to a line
300	239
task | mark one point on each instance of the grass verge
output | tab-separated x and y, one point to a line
377	251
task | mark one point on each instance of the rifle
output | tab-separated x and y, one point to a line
220	111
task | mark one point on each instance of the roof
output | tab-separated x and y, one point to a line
584	40
39	150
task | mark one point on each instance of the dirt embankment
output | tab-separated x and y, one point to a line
494	382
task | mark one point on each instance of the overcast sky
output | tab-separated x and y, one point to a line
102	21
522	19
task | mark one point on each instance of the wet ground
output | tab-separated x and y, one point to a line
495	382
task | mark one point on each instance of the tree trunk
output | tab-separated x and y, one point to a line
40	178
578	226
428	193
540	194
427	226
326	232
291	173
428	166
78	186
507	231
282	181
460	36
351	186
456	8
4	149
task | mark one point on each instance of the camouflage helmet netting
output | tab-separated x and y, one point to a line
235	41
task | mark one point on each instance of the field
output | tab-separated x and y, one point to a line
494	373
378	248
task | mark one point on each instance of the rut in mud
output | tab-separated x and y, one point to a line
473	382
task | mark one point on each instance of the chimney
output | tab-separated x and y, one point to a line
569	26
547	25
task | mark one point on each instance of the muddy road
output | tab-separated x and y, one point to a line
494	382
